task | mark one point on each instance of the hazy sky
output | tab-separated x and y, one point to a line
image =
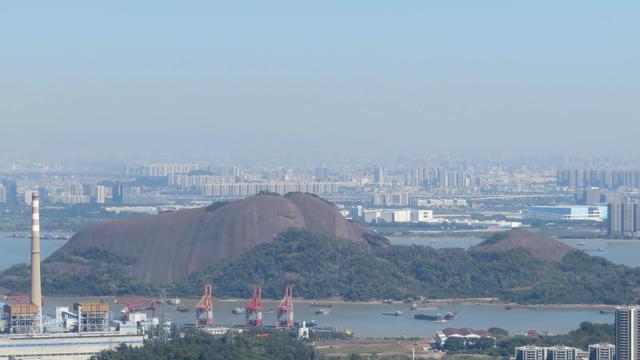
326	78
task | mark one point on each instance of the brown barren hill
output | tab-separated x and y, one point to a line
168	246
540	246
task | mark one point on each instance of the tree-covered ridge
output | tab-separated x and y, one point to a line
316	266
90	272
200	346
321	267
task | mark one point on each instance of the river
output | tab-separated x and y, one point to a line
18	250
367	320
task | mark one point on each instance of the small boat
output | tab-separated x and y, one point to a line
603	312
323	311
430	317
437	317
508	307
183	309
581	244
238	311
387	301
397	313
451	316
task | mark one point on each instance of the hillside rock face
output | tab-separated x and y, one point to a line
171	245
540	246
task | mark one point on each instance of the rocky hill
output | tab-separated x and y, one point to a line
171	245
540	246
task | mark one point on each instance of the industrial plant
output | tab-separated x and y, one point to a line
87	328
76	333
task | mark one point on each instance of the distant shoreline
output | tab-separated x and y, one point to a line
439	302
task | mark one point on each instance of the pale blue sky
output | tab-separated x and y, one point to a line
326	78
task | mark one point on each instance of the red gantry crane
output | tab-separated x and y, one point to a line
253	311
134	305
204	309
19	298
285	310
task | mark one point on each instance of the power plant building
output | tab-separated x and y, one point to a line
24	336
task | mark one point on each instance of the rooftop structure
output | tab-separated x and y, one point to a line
567	213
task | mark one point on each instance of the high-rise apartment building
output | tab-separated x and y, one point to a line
101	193
11	191
606	179
531	352
623	218
604	351
626	324
563	353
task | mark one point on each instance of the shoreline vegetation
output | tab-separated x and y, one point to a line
489	302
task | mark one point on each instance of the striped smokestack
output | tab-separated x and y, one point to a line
36	291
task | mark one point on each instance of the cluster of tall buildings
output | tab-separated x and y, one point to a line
439	178
160	170
390	198
606	179
249	189
196	182
596	352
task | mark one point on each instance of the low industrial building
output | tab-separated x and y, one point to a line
67	346
387	216
567	213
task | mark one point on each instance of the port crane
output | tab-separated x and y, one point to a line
253	311
285	310
204	308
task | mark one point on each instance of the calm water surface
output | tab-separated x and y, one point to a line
15	251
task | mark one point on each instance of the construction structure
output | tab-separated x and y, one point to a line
253	311
285	310
204	308
92	317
